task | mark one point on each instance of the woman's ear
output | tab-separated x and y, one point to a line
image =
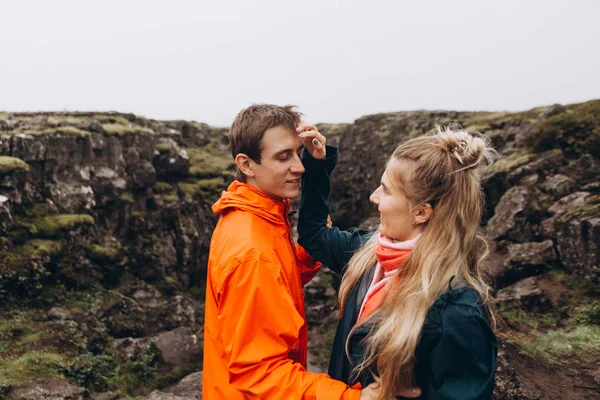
245	164
423	213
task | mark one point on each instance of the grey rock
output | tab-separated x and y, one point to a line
525	293
559	185
179	346
55	389
60	313
528	259
6	219
190	387
510	218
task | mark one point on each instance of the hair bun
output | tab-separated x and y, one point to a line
471	150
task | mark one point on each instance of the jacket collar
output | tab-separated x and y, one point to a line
243	196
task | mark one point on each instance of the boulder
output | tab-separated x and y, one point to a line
179	346
55	389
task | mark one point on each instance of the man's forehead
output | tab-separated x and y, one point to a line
283	139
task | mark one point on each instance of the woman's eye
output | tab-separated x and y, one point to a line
284	157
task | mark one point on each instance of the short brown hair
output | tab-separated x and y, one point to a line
250	125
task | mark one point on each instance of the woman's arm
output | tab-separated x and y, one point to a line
332	246
462	364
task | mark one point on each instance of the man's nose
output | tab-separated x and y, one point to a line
297	166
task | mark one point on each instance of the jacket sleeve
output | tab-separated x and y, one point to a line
307	265
332	246
260	328
463	362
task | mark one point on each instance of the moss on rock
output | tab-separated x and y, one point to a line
512	161
122	130
102	253
9	164
163	187
52	225
591	207
205	163
575	131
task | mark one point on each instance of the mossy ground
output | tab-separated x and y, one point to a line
9	164
575	131
53	225
570	329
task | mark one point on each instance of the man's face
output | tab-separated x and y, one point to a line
280	170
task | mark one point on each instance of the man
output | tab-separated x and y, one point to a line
255	337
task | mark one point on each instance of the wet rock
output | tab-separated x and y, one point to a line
190	387
55	389
157	395
6	219
136	349
60	313
510	220
525	293
143	174
182	311
170	160
124	316
106	396
528	259
179	346
73	197
559	185
108	185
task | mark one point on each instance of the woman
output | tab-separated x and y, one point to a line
414	307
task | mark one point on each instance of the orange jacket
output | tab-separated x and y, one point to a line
255	330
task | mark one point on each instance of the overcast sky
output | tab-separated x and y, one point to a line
336	60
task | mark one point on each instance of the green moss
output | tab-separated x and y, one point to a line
127	198
512	161
28	256
582	342
30	366
8	164
590	208
203	187
51	226
481	127
205	163
38	247
122	130
575	131
163	187
170	198
111	119
56	120
588	314
102	253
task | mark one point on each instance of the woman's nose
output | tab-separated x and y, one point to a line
374	198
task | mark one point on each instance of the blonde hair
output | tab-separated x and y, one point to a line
444	169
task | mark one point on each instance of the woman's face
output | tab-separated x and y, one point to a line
394	208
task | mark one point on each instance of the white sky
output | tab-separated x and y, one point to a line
336	60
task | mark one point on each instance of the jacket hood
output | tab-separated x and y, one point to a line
243	196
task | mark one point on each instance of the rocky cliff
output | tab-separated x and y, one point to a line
105	223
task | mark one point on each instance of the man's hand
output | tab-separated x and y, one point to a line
313	141
373	392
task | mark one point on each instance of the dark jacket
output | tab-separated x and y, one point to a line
456	355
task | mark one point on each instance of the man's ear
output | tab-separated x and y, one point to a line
245	164
423	213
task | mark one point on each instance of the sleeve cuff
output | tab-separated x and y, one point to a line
328	162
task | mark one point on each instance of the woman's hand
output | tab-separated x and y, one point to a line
313	141
373	392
